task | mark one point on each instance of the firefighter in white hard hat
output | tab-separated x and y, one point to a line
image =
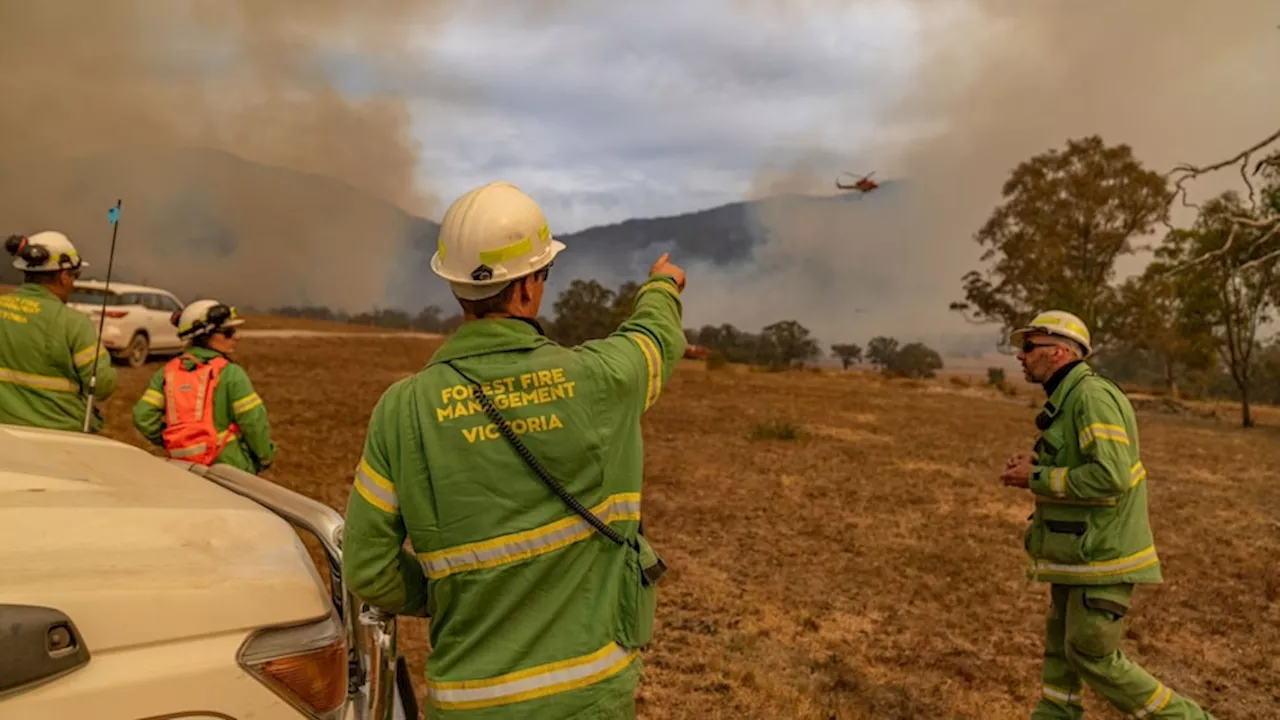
1089	536
515	466
200	407
49	352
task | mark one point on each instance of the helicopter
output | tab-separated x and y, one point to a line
864	184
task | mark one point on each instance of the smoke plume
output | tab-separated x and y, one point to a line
182	109
998	81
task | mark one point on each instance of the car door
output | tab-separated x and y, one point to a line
168	306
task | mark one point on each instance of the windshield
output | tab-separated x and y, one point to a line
89	296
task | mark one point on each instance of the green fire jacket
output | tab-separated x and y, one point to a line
234	400
48	353
534	613
1090	525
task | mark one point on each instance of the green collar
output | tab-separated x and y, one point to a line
489	335
1059	396
37	290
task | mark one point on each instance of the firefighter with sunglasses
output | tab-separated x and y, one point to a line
1089	536
48	351
200	407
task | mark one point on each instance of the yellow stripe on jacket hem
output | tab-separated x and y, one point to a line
1107	568
541	681
513	547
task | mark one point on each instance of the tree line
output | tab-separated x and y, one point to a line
586	310
1195	320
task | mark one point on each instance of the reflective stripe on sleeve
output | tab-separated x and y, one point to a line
38	382
154	398
88	355
662	285
529	543
653	362
375	489
1137	474
246	403
1058	481
1103	431
540	681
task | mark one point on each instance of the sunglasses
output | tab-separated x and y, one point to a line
227	332
1029	347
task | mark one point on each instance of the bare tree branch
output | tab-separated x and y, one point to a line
1184	172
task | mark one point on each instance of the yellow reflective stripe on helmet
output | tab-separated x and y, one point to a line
375	489
1103	431
1044	569
507	549
88	355
155	398
1055	321
540	681
37	382
653	363
523	246
246	403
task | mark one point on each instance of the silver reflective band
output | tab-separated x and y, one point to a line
566	675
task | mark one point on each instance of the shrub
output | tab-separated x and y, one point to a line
716	360
995	377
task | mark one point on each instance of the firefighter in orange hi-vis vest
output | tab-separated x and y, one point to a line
200	407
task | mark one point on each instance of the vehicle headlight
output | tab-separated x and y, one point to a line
305	664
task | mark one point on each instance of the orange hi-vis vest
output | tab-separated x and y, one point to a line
189	434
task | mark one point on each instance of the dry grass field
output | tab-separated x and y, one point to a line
871	566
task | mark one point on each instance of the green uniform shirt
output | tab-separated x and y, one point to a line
48	353
1090	525
534	613
234	400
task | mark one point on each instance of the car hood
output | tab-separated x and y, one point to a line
136	550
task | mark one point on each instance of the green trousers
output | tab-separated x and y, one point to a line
1082	647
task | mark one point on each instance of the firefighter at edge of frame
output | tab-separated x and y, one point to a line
536	613
48	351
173	412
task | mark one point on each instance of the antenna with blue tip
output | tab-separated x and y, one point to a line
113	217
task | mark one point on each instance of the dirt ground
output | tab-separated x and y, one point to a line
870	567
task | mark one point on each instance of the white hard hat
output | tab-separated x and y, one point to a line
490	236
204	317
47	251
1059	323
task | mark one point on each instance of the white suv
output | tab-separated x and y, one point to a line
136	587
138	322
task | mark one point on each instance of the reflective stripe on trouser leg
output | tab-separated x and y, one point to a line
1093	649
1061	690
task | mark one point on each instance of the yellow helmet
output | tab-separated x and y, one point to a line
490	236
1060	323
